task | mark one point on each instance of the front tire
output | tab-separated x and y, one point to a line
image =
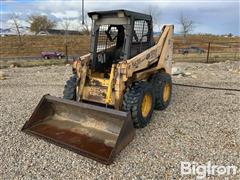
70	88
162	83
139	100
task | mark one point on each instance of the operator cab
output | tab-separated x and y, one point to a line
118	35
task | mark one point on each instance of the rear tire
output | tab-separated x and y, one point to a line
162	83
139	100
70	88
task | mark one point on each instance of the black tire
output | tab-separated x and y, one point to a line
70	88
159	81
45	57
133	100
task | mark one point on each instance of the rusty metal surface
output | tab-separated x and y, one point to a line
95	94
93	131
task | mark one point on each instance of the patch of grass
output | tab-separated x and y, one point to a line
221	48
30	63
34	45
80	44
213	57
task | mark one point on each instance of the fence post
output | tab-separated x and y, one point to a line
208	51
235	54
66	53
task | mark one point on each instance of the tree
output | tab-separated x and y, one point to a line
86	27
65	25
155	12
16	25
40	23
186	24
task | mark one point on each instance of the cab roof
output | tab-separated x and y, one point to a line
131	14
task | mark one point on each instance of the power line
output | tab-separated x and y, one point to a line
205	87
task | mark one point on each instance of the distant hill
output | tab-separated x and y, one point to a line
24	30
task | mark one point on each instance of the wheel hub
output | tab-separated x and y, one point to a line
146	105
166	92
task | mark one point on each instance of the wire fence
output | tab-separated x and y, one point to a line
32	49
43	47
208	52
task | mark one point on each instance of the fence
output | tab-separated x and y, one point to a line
196	51
32	46
208	52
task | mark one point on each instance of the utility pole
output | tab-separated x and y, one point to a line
82	11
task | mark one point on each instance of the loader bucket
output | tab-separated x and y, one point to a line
93	131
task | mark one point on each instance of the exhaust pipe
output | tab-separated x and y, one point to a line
96	132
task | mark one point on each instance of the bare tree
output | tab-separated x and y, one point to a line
86	27
65	25
155	12
186	24
16	25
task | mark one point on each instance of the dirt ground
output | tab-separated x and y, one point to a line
200	125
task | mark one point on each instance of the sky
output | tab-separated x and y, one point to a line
209	16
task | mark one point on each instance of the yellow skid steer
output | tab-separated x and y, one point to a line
113	90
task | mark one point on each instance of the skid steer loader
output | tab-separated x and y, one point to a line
113	89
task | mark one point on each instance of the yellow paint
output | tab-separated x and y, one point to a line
97	75
166	92
109	90
146	105
104	82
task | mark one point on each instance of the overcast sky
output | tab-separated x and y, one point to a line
210	16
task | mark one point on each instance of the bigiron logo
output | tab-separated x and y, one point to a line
202	171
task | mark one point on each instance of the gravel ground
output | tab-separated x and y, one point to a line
201	125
